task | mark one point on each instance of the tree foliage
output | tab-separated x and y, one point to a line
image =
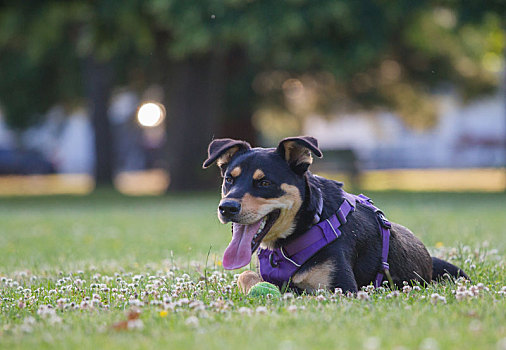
358	53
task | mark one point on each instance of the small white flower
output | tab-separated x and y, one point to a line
435	298
292	309
261	310
393	294
372	343
362	295
369	288
321	298
287	296
135	324
192	321
338	291
460	296
245	311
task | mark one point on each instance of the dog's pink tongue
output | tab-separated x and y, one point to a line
238	252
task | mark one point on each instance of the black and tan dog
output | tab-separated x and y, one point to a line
272	198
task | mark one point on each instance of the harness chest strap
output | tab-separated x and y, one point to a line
279	265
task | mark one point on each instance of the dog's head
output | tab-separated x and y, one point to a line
262	191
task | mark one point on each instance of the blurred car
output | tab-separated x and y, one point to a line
16	162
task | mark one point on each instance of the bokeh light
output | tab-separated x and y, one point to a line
151	114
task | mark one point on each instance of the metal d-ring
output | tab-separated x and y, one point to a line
271	261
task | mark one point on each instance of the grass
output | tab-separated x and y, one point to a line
103	260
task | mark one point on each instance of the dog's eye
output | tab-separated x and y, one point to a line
229	179
264	183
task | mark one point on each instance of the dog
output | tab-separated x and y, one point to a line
310	234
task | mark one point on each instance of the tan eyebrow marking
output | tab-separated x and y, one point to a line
258	174
236	171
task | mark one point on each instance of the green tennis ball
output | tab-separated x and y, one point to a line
262	289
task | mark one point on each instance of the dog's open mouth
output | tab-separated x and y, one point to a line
246	239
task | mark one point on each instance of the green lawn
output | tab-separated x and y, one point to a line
94	258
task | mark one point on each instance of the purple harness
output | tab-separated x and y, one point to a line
279	265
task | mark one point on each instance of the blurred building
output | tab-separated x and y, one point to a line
472	135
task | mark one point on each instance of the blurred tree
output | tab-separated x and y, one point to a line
220	60
54	52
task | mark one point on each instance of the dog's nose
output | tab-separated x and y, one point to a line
229	208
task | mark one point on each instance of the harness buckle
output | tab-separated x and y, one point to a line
272	262
383	220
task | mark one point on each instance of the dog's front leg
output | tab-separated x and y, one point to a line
344	277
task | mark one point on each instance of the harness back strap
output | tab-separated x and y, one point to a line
385	227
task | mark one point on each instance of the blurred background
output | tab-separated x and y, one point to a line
401	95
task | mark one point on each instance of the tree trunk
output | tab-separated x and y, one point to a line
239	97
98	81
195	91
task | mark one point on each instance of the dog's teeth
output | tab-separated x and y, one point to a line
262	224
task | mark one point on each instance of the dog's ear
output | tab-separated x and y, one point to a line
297	152
222	151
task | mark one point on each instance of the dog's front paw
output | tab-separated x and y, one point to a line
247	280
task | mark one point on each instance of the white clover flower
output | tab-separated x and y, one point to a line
183	301
372	343
474	290
46	311
245	311
369	288
362	295
54	319
136	324
197	305
292	309
460	296
192	321
261	310
321	298
435	298
287	296
137	278
25	328
393	294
